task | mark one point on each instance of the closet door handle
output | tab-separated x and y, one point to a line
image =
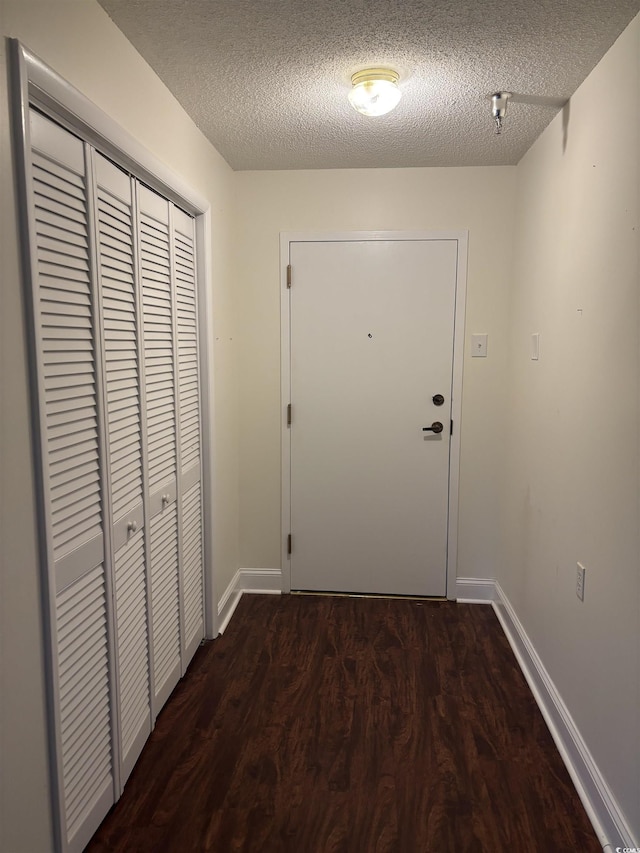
165	499
132	526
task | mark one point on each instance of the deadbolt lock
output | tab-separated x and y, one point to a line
438	399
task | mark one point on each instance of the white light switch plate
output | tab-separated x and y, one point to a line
479	346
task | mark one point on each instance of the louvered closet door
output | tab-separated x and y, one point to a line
191	561
122	346
69	400
162	455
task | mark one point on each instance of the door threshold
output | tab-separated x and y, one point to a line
329	593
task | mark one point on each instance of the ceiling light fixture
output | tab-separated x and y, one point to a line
499	108
375	91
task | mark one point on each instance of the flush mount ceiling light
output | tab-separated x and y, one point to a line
375	91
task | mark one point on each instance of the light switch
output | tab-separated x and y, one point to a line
479	346
535	346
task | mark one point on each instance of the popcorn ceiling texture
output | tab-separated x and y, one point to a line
267	80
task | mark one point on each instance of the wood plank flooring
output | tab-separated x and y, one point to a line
350	725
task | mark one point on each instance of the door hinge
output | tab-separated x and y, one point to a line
289	414
288	275
451	428
289	544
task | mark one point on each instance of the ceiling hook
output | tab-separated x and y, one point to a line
499	108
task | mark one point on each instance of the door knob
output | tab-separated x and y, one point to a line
436	427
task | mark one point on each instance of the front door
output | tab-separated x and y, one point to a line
371	338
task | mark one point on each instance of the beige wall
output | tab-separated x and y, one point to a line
478	199
572	464
79	41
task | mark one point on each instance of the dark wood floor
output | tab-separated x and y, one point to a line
351	725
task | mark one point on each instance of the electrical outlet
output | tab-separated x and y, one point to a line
580	581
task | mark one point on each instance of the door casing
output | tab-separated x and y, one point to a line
286	239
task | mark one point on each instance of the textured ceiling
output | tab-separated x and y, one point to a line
267	80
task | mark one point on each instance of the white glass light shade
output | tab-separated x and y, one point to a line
375	91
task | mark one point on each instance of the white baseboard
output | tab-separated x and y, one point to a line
247	580
475	590
261	580
228	602
604	812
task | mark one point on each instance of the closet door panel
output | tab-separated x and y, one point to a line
161	437
122	375
189	432
192	568
64	309
133	659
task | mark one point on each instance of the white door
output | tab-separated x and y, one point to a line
187	361
120	319
160	397
371	331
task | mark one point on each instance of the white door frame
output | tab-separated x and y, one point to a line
461	238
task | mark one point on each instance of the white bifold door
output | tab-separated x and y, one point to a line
118	421
124	420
